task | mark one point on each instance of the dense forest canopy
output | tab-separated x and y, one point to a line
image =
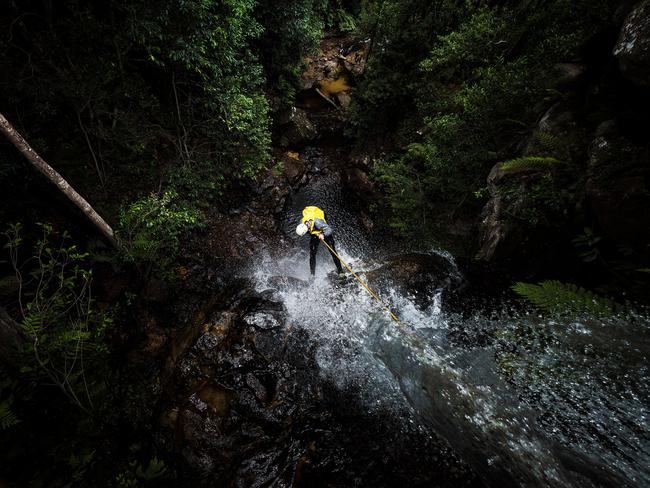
511	132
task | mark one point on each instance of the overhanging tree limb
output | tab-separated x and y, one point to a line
33	157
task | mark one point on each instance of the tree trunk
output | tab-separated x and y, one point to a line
33	157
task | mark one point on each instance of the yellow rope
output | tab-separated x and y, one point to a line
372	293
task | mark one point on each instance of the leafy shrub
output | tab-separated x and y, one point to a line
408	212
481	39
66	334
291	31
200	183
151	227
465	82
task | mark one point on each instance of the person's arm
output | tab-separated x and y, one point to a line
321	225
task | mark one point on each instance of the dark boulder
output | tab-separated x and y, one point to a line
419	275
271	190
633	47
618	188
559	123
295	127
569	75
293	168
219	387
503	229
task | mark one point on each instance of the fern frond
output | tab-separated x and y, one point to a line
565	299
530	162
7	417
549	142
155	470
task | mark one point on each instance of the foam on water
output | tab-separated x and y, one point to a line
562	419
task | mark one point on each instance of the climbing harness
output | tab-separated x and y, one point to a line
372	293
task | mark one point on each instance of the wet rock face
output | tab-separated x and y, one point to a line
502	232
618	188
512	224
230	395
244	406
419	275
336	54
633	46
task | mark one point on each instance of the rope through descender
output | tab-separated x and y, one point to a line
372	293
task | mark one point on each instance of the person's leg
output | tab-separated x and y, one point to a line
337	261
313	248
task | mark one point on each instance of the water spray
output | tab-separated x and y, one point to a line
365	285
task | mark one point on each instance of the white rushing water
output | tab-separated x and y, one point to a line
573	413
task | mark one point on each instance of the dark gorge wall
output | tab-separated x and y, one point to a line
580	189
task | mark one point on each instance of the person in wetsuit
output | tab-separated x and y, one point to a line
313	222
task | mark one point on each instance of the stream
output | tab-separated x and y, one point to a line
523	399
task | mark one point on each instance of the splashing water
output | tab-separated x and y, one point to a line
543	402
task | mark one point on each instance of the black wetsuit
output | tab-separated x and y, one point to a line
315	241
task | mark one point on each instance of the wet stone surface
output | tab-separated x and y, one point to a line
418	275
244	405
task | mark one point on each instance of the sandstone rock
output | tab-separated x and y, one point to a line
262	320
344	99
501	230
355	56
557	119
618	187
359	180
633	47
257	387
569	73
293	169
296	128
216	398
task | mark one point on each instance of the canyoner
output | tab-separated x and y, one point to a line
313	221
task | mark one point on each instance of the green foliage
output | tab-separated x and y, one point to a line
540	201
401	33
66	333
151	227
221	79
201	183
138	475
78	463
136	87
550	142
587	244
530	163
292	30
566	299
278	168
7	417
409	211
479	40
464	81
343	20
